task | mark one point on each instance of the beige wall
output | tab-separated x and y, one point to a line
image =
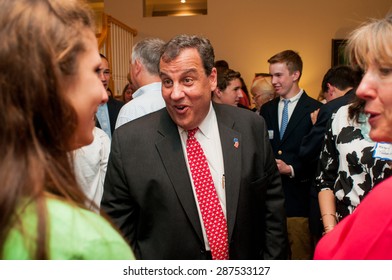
247	32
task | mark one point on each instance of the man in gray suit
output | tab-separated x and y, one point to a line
150	192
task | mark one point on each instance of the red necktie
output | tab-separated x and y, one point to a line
210	208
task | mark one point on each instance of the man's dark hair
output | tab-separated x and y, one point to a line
173	48
341	77
225	77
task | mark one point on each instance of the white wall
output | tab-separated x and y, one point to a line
247	32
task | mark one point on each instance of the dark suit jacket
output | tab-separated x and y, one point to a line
148	192
296	189
114	107
310	152
312	143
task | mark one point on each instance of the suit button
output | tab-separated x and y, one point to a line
280	152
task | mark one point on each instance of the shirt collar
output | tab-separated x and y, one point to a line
206	125
146	88
295	97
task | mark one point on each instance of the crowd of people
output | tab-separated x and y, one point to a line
189	164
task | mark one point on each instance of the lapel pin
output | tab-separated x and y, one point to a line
236	143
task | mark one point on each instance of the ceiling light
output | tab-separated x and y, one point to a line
183	1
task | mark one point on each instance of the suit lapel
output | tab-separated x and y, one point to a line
111	113
275	121
172	156
297	116
232	164
170	150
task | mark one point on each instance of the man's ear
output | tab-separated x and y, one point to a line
296	75
213	77
331	89
217	92
137	67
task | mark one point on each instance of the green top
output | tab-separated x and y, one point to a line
74	234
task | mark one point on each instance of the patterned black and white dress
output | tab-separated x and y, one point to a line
346	164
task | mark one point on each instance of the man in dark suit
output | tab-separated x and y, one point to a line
286	69
150	190
106	116
338	86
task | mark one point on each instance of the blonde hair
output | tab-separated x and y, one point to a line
371	43
264	86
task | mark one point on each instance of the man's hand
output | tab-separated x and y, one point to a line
314	115
284	169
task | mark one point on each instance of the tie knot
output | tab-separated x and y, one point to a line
286	101
192	132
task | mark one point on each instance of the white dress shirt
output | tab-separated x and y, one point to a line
90	167
145	100
103	119
291	106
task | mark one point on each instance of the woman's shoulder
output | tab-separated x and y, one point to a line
72	233
62	210
341	120
341	113
82	234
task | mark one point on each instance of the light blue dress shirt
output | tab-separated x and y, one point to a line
103	118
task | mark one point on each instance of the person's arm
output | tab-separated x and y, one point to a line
326	178
116	201
313	115
311	145
327	209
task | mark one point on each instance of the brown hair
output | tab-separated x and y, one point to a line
225	77
176	45
291	58
356	108
40	45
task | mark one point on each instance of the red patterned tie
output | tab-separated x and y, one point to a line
210	208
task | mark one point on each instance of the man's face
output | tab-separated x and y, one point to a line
282	79
104	74
232	93
187	89
259	97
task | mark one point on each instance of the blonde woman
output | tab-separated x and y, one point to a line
366	233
